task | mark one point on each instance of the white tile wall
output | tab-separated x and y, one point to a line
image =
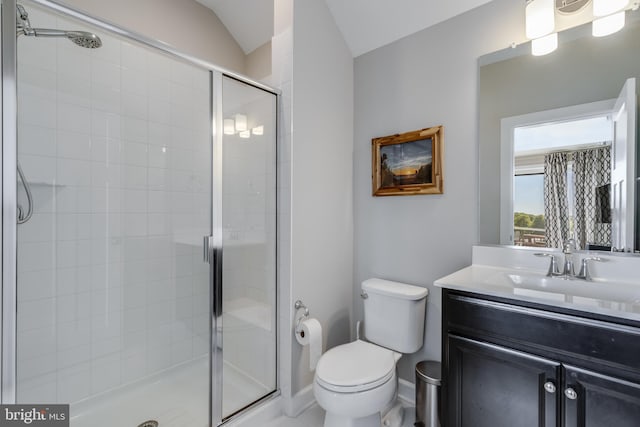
111	286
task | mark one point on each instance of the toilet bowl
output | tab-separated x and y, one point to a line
355	382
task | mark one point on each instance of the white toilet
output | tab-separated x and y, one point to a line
356	383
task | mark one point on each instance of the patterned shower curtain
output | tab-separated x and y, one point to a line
591	169
556	202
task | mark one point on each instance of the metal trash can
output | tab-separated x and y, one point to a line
428	380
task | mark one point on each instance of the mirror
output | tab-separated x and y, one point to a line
584	70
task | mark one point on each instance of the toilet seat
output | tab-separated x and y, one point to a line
355	367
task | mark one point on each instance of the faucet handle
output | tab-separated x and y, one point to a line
553	264
584	269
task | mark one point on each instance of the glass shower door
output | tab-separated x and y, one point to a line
117	312
113	313
248	320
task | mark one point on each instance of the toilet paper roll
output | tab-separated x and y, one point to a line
310	333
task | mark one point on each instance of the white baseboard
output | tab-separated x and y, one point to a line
407	392
300	402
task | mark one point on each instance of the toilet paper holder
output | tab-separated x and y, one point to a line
298	306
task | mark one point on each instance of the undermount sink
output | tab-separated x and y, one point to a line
570	287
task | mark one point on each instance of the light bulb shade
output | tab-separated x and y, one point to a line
241	122
229	127
608	25
607	7
258	130
245	134
544	45
539	18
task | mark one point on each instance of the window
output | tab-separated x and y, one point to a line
528	206
532	144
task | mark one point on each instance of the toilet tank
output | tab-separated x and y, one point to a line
394	314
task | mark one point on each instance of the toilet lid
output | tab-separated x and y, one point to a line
356	366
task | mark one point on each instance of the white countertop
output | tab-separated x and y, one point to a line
619	298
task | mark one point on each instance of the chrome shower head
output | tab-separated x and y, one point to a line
81	38
84	39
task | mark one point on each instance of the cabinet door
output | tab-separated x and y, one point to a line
595	400
493	386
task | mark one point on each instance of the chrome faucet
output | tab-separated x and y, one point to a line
568	271
568	249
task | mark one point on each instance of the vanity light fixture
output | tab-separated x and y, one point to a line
229	127
544	45
539	26
608	7
608	25
239	125
608	16
241	122
539	18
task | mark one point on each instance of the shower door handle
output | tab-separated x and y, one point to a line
207	249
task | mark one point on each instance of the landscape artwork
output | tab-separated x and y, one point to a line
408	163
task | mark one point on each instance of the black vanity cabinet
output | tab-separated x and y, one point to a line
508	363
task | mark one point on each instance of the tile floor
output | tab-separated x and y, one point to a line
314	417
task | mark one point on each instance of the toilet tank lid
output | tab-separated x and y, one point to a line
394	289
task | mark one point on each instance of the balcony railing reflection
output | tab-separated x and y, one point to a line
526	236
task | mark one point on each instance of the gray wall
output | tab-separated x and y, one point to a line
426	79
186	25
258	62
321	184
584	70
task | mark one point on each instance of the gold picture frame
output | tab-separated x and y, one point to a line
408	164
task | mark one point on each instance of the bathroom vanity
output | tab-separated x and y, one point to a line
526	353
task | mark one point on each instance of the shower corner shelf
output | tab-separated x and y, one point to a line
47	184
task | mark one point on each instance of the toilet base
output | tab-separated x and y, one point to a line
394	416
335	420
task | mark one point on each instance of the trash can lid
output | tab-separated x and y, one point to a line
429	371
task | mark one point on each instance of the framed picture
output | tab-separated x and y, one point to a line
408	163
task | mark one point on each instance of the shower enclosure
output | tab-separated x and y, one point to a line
139	238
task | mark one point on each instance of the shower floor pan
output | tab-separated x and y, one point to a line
177	398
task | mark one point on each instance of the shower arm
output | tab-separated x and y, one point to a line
45	32
22	218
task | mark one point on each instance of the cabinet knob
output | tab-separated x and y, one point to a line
571	393
550	387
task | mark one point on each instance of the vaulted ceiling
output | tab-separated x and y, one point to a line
250	22
365	24
369	24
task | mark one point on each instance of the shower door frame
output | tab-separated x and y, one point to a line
213	246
